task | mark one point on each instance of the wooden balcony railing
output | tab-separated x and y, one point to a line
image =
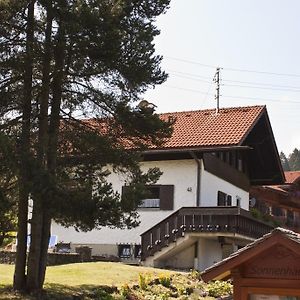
201	219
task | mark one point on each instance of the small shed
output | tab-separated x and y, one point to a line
267	269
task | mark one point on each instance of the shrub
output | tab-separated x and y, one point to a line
102	295
125	290
195	274
219	288
143	282
164	280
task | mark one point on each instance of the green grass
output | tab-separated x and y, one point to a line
99	273
109	281
62	282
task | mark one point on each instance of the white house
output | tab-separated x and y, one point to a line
198	212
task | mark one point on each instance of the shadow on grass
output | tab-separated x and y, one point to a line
63	292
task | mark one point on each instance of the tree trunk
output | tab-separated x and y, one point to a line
58	79
42	217
36	246
19	275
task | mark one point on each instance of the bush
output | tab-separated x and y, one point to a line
102	295
195	274
219	288
164	280
143	282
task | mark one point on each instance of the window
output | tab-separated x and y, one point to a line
154	198
277	211
160	197
224	199
124	251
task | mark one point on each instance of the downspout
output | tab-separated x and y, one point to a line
198	162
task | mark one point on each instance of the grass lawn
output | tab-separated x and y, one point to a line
110	281
97	273
65	281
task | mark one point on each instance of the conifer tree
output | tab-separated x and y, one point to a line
64	62
294	160
284	162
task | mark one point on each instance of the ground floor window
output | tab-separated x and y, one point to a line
129	251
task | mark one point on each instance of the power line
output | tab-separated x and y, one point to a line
262	99
234	69
263	86
191	78
262	72
233	97
185	89
191	62
188	74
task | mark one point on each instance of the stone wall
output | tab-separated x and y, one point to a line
9	257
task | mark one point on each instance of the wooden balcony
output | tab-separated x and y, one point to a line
219	220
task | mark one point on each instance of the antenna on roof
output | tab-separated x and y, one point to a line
217	95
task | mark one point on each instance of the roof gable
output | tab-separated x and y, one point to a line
281	244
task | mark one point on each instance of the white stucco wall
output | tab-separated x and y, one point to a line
181	173
211	184
209	252
182	260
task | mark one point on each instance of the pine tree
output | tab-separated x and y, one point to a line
76	59
284	162
294	160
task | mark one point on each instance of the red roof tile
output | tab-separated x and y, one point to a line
292	176
205	128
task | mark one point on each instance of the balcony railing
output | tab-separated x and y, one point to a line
201	219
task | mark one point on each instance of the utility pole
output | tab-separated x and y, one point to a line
217	95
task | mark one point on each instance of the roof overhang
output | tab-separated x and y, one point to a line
196	149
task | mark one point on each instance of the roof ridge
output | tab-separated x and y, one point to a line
212	109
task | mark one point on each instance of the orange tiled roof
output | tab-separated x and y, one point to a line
292	176
205	128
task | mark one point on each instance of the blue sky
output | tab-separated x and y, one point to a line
240	37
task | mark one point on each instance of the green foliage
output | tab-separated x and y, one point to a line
143	281
256	213
294	160
71	76
195	274
284	162
165	296
102	295
125	290
164	280
61	285
219	288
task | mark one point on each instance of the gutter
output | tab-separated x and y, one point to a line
198	161
195	149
